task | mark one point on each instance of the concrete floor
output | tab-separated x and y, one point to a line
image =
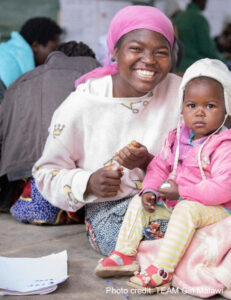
24	240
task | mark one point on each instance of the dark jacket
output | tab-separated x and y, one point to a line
28	106
2	90
192	29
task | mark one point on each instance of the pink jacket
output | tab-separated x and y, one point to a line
216	163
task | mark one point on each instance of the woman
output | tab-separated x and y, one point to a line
88	159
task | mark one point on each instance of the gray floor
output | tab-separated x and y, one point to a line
23	240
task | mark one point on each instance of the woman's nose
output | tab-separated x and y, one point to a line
149	58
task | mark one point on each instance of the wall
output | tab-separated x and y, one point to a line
14	13
88	20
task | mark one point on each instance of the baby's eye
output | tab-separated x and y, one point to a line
191	105
210	105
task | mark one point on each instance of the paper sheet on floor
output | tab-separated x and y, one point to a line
20	276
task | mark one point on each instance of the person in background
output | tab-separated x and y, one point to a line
2	90
89	160
25	114
28	48
192	29
223	41
172	8
188	182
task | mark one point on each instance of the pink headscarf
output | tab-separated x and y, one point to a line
127	19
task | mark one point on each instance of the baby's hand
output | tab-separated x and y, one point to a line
148	201
169	192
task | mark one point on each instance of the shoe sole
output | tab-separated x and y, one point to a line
147	290
105	272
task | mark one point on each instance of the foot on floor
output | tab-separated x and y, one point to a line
151	281
117	264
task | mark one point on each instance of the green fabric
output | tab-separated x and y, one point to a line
193	31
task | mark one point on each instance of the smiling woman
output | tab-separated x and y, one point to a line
130	99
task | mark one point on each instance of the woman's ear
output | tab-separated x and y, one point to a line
115	54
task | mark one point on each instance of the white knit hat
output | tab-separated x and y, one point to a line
212	68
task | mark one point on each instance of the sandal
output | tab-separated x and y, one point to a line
151	281
117	264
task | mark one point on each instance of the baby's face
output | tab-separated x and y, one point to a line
203	106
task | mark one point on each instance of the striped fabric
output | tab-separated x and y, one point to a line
186	217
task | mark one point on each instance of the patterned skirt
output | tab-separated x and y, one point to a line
103	221
32	208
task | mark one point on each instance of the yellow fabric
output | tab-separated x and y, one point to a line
186	217
135	219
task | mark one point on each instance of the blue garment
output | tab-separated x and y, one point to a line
16	58
34	209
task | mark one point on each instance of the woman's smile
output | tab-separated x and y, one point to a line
145	74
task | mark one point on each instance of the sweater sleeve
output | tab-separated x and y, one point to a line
158	169
58	173
215	190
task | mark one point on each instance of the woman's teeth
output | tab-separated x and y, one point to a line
145	73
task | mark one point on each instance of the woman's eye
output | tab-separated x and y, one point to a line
162	53
135	48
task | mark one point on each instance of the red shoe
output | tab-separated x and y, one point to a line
151	281
117	264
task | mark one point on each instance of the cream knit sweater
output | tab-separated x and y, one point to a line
88	129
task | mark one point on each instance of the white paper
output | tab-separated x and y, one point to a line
31	274
46	290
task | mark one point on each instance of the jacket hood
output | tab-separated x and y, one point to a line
212	68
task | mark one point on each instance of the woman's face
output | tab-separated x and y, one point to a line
144	59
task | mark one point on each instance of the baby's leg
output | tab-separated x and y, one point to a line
122	261
186	217
136	218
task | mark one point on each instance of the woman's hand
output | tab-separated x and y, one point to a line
170	193
148	201
134	155
105	182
